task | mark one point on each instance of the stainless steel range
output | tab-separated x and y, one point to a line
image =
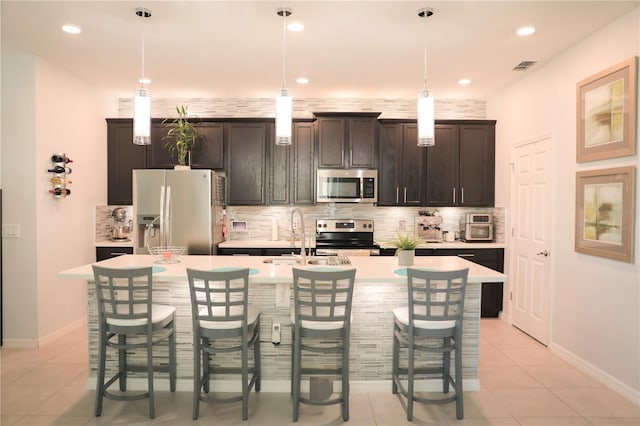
345	236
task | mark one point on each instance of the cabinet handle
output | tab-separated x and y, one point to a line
397	194
462	195
405	195
117	253
454	194
466	255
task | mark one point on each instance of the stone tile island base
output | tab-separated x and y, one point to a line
371	338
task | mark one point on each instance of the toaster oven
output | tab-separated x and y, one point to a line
478	227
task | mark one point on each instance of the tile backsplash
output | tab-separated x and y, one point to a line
388	220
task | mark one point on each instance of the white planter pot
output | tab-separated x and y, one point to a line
405	257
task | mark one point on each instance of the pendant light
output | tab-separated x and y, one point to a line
142	100
283	102
425	100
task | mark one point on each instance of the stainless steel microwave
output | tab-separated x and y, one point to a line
347	186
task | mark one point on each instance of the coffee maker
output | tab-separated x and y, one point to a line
428	228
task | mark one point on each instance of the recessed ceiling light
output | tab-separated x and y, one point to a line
464	81
295	26
71	29
302	80
525	31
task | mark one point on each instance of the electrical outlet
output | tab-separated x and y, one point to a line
402	225
275	333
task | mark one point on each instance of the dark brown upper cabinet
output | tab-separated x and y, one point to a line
208	152
246	163
402	171
122	158
292	168
347	140
461	165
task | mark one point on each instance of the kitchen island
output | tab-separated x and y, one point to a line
380	287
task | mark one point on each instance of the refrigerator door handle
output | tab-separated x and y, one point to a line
167	218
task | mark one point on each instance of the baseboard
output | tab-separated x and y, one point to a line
40	342
284	386
62	331
608	380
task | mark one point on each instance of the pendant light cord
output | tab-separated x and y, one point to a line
142	70
425	63
284	48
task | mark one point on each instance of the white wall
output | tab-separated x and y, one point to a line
51	111
595	313
19	297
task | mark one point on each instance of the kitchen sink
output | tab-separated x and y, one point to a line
283	260
323	260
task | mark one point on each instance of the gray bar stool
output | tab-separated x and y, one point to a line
431	323
128	320
221	312
322	312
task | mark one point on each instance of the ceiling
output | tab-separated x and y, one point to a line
348	49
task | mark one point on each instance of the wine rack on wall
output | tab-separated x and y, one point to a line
59	175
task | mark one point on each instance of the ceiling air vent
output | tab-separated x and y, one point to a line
524	65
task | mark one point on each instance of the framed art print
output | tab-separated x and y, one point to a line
605	213
606	113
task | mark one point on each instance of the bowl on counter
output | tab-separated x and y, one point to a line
167	254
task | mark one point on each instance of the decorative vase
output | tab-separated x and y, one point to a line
405	257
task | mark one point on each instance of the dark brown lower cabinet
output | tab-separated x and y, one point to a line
104	252
492	293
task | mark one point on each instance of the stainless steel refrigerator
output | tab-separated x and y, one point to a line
178	208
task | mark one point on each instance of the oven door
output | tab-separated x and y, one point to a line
478	232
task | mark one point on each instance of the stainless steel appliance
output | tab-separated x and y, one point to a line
347	237
477	227
428	228
179	208
347	186
120	225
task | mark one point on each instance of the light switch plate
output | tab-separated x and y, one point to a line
11	231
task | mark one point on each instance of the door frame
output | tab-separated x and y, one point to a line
551	136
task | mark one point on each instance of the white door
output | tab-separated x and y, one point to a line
531	237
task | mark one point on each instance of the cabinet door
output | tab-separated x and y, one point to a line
331	142
362	143
246	147
304	176
413	167
122	157
477	165
442	167
390	154
159	156
279	172
208	153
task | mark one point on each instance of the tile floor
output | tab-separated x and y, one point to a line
522	383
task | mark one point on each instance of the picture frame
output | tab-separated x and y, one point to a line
606	113
605	213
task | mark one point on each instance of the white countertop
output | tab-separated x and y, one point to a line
377	269
111	243
286	244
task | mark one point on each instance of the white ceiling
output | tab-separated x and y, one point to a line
359	49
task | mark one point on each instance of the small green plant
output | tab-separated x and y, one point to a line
182	135
405	242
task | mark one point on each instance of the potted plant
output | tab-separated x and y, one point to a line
405	248
181	137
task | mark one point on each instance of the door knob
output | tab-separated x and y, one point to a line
544	253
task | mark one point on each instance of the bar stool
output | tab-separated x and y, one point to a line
127	320
431	323
322	313
221	312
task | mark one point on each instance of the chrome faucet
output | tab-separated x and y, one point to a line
303	253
